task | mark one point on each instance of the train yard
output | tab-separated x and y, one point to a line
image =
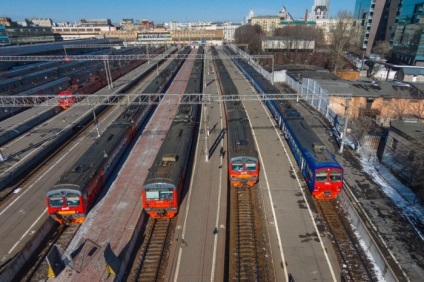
106	148
207	192
73	150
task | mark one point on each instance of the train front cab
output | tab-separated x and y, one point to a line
244	171
326	183
66	99
66	205
160	200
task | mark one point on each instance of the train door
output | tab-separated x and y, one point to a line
309	177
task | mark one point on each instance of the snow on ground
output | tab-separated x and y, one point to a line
400	195
379	275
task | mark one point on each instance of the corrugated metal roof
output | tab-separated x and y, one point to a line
359	88
414	130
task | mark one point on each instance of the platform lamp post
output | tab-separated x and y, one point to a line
67	59
96	123
205	112
205	67
148	57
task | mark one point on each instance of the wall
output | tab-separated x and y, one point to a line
348	75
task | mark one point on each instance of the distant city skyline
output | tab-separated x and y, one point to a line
159	11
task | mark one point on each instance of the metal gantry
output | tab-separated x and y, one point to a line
84	46
120	57
143	99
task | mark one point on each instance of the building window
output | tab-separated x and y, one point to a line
394	144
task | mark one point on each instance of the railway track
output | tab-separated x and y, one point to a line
61	238
348	251
249	245
151	258
36	268
7	194
349	254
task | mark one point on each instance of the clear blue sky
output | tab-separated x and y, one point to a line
158	10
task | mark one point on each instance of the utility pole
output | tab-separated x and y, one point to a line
206	150
299	88
345	125
148	57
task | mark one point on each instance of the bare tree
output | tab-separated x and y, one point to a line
399	108
341	36
363	125
251	35
373	69
298	40
381	48
417	107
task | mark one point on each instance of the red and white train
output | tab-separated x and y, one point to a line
162	189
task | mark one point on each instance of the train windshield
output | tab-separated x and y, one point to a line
250	165
237	166
56	200
335	175
321	176
72	200
159	195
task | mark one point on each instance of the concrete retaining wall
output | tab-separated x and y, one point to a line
15	266
371	245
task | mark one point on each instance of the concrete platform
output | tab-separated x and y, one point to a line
199	253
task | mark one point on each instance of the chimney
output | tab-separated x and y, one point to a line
306	16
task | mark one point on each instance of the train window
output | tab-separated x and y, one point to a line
56	200
237	166
321	176
335	176
152	195
72	200
166	195
250	166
